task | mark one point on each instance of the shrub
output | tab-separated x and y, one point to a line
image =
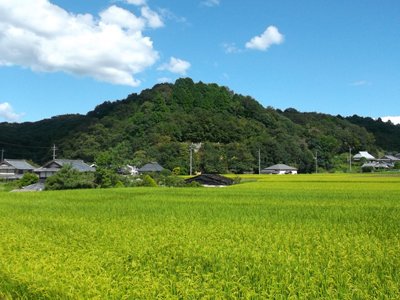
174	181
176	171
237	180
166	172
119	184
28	179
148	181
367	169
193	184
68	178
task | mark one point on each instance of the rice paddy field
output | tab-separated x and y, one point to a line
273	237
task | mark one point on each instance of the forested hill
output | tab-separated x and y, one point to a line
228	128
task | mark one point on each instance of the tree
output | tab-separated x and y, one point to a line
28	179
69	178
149	182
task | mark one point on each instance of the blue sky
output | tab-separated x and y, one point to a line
67	56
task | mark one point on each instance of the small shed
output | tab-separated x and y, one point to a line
151	166
210	180
279	169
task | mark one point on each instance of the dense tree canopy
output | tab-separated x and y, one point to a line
228	130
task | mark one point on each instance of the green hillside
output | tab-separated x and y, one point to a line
228	128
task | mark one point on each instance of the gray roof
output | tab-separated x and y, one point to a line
152	166
280	167
34	187
79	165
19	164
390	157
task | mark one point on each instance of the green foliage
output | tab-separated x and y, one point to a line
119	184
166	172
161	123
397	165
237	180
176	171
68	178
105	177
174	181
28	179
367	169
193	184
149	182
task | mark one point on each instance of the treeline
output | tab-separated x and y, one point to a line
228	129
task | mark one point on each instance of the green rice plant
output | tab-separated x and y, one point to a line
280	237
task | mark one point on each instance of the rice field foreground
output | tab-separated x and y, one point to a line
282	237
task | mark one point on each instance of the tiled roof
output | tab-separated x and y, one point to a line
281	167
80	165
151	167
19	164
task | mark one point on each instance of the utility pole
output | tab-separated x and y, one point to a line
2	154
259	161
54	152
316	162
191	148
350	159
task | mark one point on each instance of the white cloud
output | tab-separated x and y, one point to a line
136	2
175	65
270	36
7	112
164	79
153	19
167	14
111	49
210	2
394	120
360	83
231	48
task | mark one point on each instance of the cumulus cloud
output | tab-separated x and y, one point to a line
110	48
270	36
175	65
7	112
210	2
394	120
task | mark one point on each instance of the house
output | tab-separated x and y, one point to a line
363	154
279	169
389	159
52	167
376	165
12	169
210	180
151	166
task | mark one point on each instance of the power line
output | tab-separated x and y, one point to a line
23	145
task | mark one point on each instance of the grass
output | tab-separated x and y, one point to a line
280	237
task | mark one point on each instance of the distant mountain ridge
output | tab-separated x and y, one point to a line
160	124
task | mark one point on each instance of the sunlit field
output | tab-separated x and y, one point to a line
281	237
